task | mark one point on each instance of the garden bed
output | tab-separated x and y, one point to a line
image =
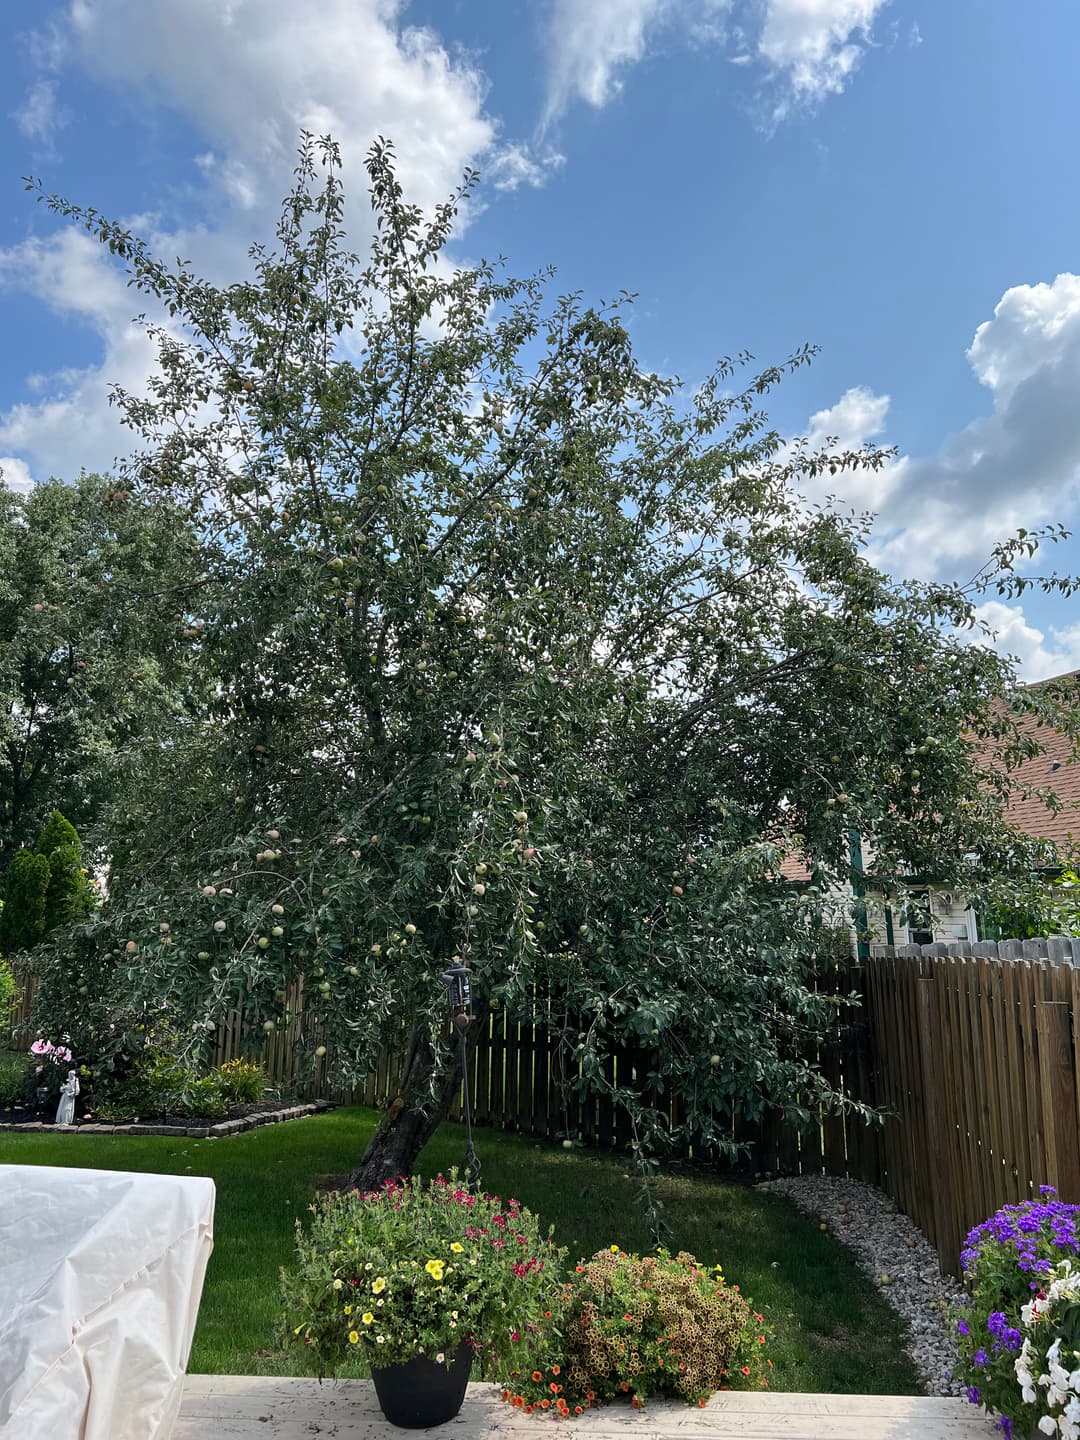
239	1119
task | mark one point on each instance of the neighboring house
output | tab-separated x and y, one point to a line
938	913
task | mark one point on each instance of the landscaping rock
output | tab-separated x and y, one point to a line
896	1255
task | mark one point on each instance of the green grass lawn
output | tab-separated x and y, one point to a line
833	1330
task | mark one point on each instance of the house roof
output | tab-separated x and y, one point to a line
1054	769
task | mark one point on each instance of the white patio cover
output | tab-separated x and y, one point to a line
100	1277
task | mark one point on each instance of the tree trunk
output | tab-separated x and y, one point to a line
412	1116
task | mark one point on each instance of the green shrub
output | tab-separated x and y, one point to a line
641	1326
9	993
22	920
242	1081
14	1079
68	895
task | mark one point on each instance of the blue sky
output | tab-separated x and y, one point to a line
893	180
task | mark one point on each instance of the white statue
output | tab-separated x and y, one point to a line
65	1111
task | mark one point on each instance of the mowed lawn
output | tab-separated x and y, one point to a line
833	1330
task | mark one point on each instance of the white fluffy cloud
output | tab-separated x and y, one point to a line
1019	465
592	41
251	73
939	515
813	47
1039	657
15	474
40	116
804	50
68	425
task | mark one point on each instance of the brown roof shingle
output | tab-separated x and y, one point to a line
1054	769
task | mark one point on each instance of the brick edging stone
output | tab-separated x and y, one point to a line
221	1131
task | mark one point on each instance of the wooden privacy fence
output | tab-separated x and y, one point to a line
974	1052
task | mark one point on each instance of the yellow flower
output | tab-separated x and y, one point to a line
367	1317
456	1248
378	1285
435	1269
348	1309
339	1284
354	1338
614	1249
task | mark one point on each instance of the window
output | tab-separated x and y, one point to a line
919	919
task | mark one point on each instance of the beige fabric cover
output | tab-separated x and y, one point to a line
100	1278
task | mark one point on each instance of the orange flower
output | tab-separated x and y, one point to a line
746	1369
554	1388
578	1410
761	1339
590	1395
537	1377
528	1410
556	1369
506	1394
701	1402
624	1387
545	1404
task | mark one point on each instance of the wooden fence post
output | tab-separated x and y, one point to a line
945	1238
1059	1098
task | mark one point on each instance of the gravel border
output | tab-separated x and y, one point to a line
219	1131
896	1255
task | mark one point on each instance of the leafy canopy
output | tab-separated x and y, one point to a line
511	649
90	584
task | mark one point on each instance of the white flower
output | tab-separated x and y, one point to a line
440	1359
1048	1425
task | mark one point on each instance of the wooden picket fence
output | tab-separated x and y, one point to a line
972	1052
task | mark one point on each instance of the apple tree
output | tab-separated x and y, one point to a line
513	650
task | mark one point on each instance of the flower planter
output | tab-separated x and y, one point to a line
421	1392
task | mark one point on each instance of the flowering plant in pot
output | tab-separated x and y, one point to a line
635	1326
419	1281
1018	1333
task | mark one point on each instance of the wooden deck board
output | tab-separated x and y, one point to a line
238	1407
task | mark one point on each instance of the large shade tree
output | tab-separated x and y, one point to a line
520	653
93	589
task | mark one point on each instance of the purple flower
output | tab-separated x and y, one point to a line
980	1358
973	1395
963	1328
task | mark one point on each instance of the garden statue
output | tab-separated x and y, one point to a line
65	1111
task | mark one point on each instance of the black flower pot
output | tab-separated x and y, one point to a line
422	1393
